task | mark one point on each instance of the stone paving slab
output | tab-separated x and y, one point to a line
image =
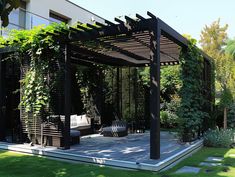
188	169
214	159
210	164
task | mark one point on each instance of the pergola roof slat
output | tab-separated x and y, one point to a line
119	21
140	17
109	22
151	15
130	20
127	43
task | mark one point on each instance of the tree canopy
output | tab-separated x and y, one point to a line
213	41
230	48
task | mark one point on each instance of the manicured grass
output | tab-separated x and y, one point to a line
201	156
20	165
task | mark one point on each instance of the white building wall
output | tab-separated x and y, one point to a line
64	7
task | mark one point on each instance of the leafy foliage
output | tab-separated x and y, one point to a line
213	41
89	81
230	48
190	111
144	76
38	51
170	82
168	115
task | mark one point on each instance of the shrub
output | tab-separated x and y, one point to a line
163	117
168	119
219	138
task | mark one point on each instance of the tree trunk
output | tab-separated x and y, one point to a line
225	118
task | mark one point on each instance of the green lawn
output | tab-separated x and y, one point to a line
19	165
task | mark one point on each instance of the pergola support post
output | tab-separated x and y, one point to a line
1	103
118	93
155	35
67	97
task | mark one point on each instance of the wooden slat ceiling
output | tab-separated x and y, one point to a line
121	43
130	48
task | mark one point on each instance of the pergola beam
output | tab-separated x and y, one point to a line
75	61
140	17
151	15
118	20
171	34
110	31
107	58
130	20
121	50
99	60
2	132
109	23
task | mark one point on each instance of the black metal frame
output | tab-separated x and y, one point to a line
2	132
67	99
155	91
160	34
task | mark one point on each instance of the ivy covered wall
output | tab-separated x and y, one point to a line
193	93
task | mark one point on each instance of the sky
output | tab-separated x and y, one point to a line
185	16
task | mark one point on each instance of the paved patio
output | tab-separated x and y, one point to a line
134	147
132	151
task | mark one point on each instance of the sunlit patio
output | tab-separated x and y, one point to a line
134	147
130	152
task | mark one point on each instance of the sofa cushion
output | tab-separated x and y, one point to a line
79	121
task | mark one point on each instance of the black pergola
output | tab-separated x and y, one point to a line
137	42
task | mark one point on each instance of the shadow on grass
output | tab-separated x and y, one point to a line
20	165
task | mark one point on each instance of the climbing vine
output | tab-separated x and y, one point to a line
35	51
190	111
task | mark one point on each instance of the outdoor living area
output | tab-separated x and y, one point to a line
99	110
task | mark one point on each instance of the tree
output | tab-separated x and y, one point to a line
213	41
6	6
230	48
225	102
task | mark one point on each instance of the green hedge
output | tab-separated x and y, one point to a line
219	138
